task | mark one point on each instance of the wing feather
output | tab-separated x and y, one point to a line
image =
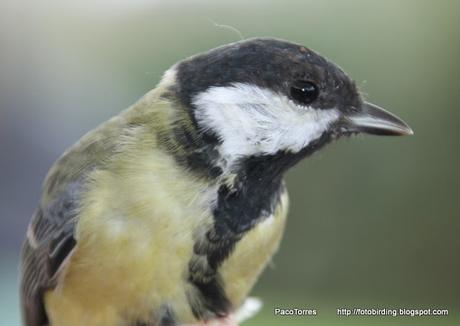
50	240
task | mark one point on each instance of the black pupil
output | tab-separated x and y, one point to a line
304	92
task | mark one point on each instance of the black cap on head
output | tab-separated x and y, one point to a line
277	65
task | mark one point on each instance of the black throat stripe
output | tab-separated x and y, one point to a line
253	196
237	211
257	191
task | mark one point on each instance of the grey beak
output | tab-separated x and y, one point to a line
374	120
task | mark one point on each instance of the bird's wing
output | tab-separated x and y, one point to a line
49	243
50	237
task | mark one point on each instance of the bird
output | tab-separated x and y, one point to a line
167	213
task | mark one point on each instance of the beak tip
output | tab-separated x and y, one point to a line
375	120
406	131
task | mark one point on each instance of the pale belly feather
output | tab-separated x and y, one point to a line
127	269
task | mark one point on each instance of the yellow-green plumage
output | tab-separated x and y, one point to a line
136	226
168	213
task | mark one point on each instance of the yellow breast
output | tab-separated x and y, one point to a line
134	243
252	253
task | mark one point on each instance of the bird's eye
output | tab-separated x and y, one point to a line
304	92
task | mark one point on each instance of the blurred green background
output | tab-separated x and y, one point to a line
374	222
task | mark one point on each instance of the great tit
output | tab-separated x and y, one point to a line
168	213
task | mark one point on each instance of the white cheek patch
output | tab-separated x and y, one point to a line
254	121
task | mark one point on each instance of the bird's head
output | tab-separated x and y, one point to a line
268	97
